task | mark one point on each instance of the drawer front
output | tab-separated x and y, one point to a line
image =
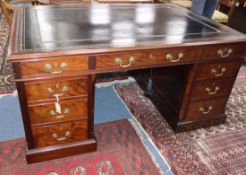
59	134
175	55
145	58
224	51
218	70
211	88
38	90
126	60
69	110
205	109
63	65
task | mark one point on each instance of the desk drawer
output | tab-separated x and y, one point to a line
175	55
46	113
218	70
205	109
59	134
38	90
61	65
125	60
224	51
145	58
212	88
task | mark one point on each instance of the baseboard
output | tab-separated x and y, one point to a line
59	151
191	125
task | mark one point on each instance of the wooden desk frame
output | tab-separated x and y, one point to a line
203	71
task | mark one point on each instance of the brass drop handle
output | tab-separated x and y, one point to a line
57	115
219	71
224	52
50	68
120	62
170	57
212	92
207	110
63	90
60	138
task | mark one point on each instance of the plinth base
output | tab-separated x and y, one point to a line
59	151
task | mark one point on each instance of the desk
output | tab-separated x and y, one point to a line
58	51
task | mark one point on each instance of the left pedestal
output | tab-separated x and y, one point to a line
57	107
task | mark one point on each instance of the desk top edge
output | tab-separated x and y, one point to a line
15	53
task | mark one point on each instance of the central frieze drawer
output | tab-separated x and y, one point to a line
218	70
126	60
205	109
145	58
211	88
175	55
69	110
48	89
59	134
51	66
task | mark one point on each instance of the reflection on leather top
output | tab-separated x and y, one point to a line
102	26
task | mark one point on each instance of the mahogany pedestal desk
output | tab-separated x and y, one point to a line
57	53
